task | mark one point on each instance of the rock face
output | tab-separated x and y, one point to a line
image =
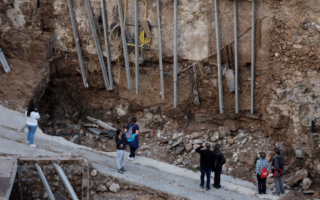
114	187
298	176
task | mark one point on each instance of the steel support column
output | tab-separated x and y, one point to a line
76	38
96	41
216	5
65	181
160	51
124	42
175	62
106	39
136	26
45	182
253	55
236	54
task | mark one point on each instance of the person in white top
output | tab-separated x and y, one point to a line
32	123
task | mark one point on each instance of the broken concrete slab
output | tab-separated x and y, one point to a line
8	170
176	143
95	131
101	123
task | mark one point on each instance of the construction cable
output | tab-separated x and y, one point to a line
195	86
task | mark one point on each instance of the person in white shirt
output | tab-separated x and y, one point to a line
32	123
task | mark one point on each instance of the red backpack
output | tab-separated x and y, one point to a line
264	173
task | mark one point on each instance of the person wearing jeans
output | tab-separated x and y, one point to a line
134	141
121	142
262	163
32	116
206	159
277	169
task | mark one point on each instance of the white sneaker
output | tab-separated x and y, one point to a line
27	142
33	145
129	158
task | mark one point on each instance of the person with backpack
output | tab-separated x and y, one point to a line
262	169
218	162
132	132
277	170
32	116
206	158
121	142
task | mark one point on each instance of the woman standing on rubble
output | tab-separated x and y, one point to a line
133	142
219	161
121	142
32	123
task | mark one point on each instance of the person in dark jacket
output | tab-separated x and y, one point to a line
134	144
206	158
121	142
218	162
277	170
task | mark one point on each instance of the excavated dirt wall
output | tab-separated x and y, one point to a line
36	37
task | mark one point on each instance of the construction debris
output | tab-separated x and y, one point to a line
101	123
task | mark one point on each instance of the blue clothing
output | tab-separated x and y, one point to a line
31	133
207	171
135	142
132	138
261	163
132	152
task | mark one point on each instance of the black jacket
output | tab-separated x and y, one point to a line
122	141
278	162
219	160
206	157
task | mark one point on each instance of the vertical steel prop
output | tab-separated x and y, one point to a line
216	5
236	55
253	56
175	62
160	51
106	39
96	41
124	42
76	37
136	26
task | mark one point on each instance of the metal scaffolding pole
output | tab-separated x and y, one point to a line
253	56
216	5
160	51
136	26
76	37
236	54
96	41
124	42
45	182
106	39
65	181
175	64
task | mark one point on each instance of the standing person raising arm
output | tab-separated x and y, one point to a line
32	116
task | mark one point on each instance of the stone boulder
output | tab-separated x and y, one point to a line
232	125
94	172
247	158
215	136
163	140
144	147
222	132
306	183
298	176
240	136
189	147
195	135
114	187
230	141
101	188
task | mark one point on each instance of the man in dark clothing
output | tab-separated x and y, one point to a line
218	162
277	170
134	144
206	159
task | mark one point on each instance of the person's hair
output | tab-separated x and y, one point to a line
277	150
30	109
118	132
216	150
207	145
262	154
134	119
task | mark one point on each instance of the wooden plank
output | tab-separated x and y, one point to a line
4	62
146	28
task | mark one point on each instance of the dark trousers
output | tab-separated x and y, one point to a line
262	188
217	177
207	171
132	152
